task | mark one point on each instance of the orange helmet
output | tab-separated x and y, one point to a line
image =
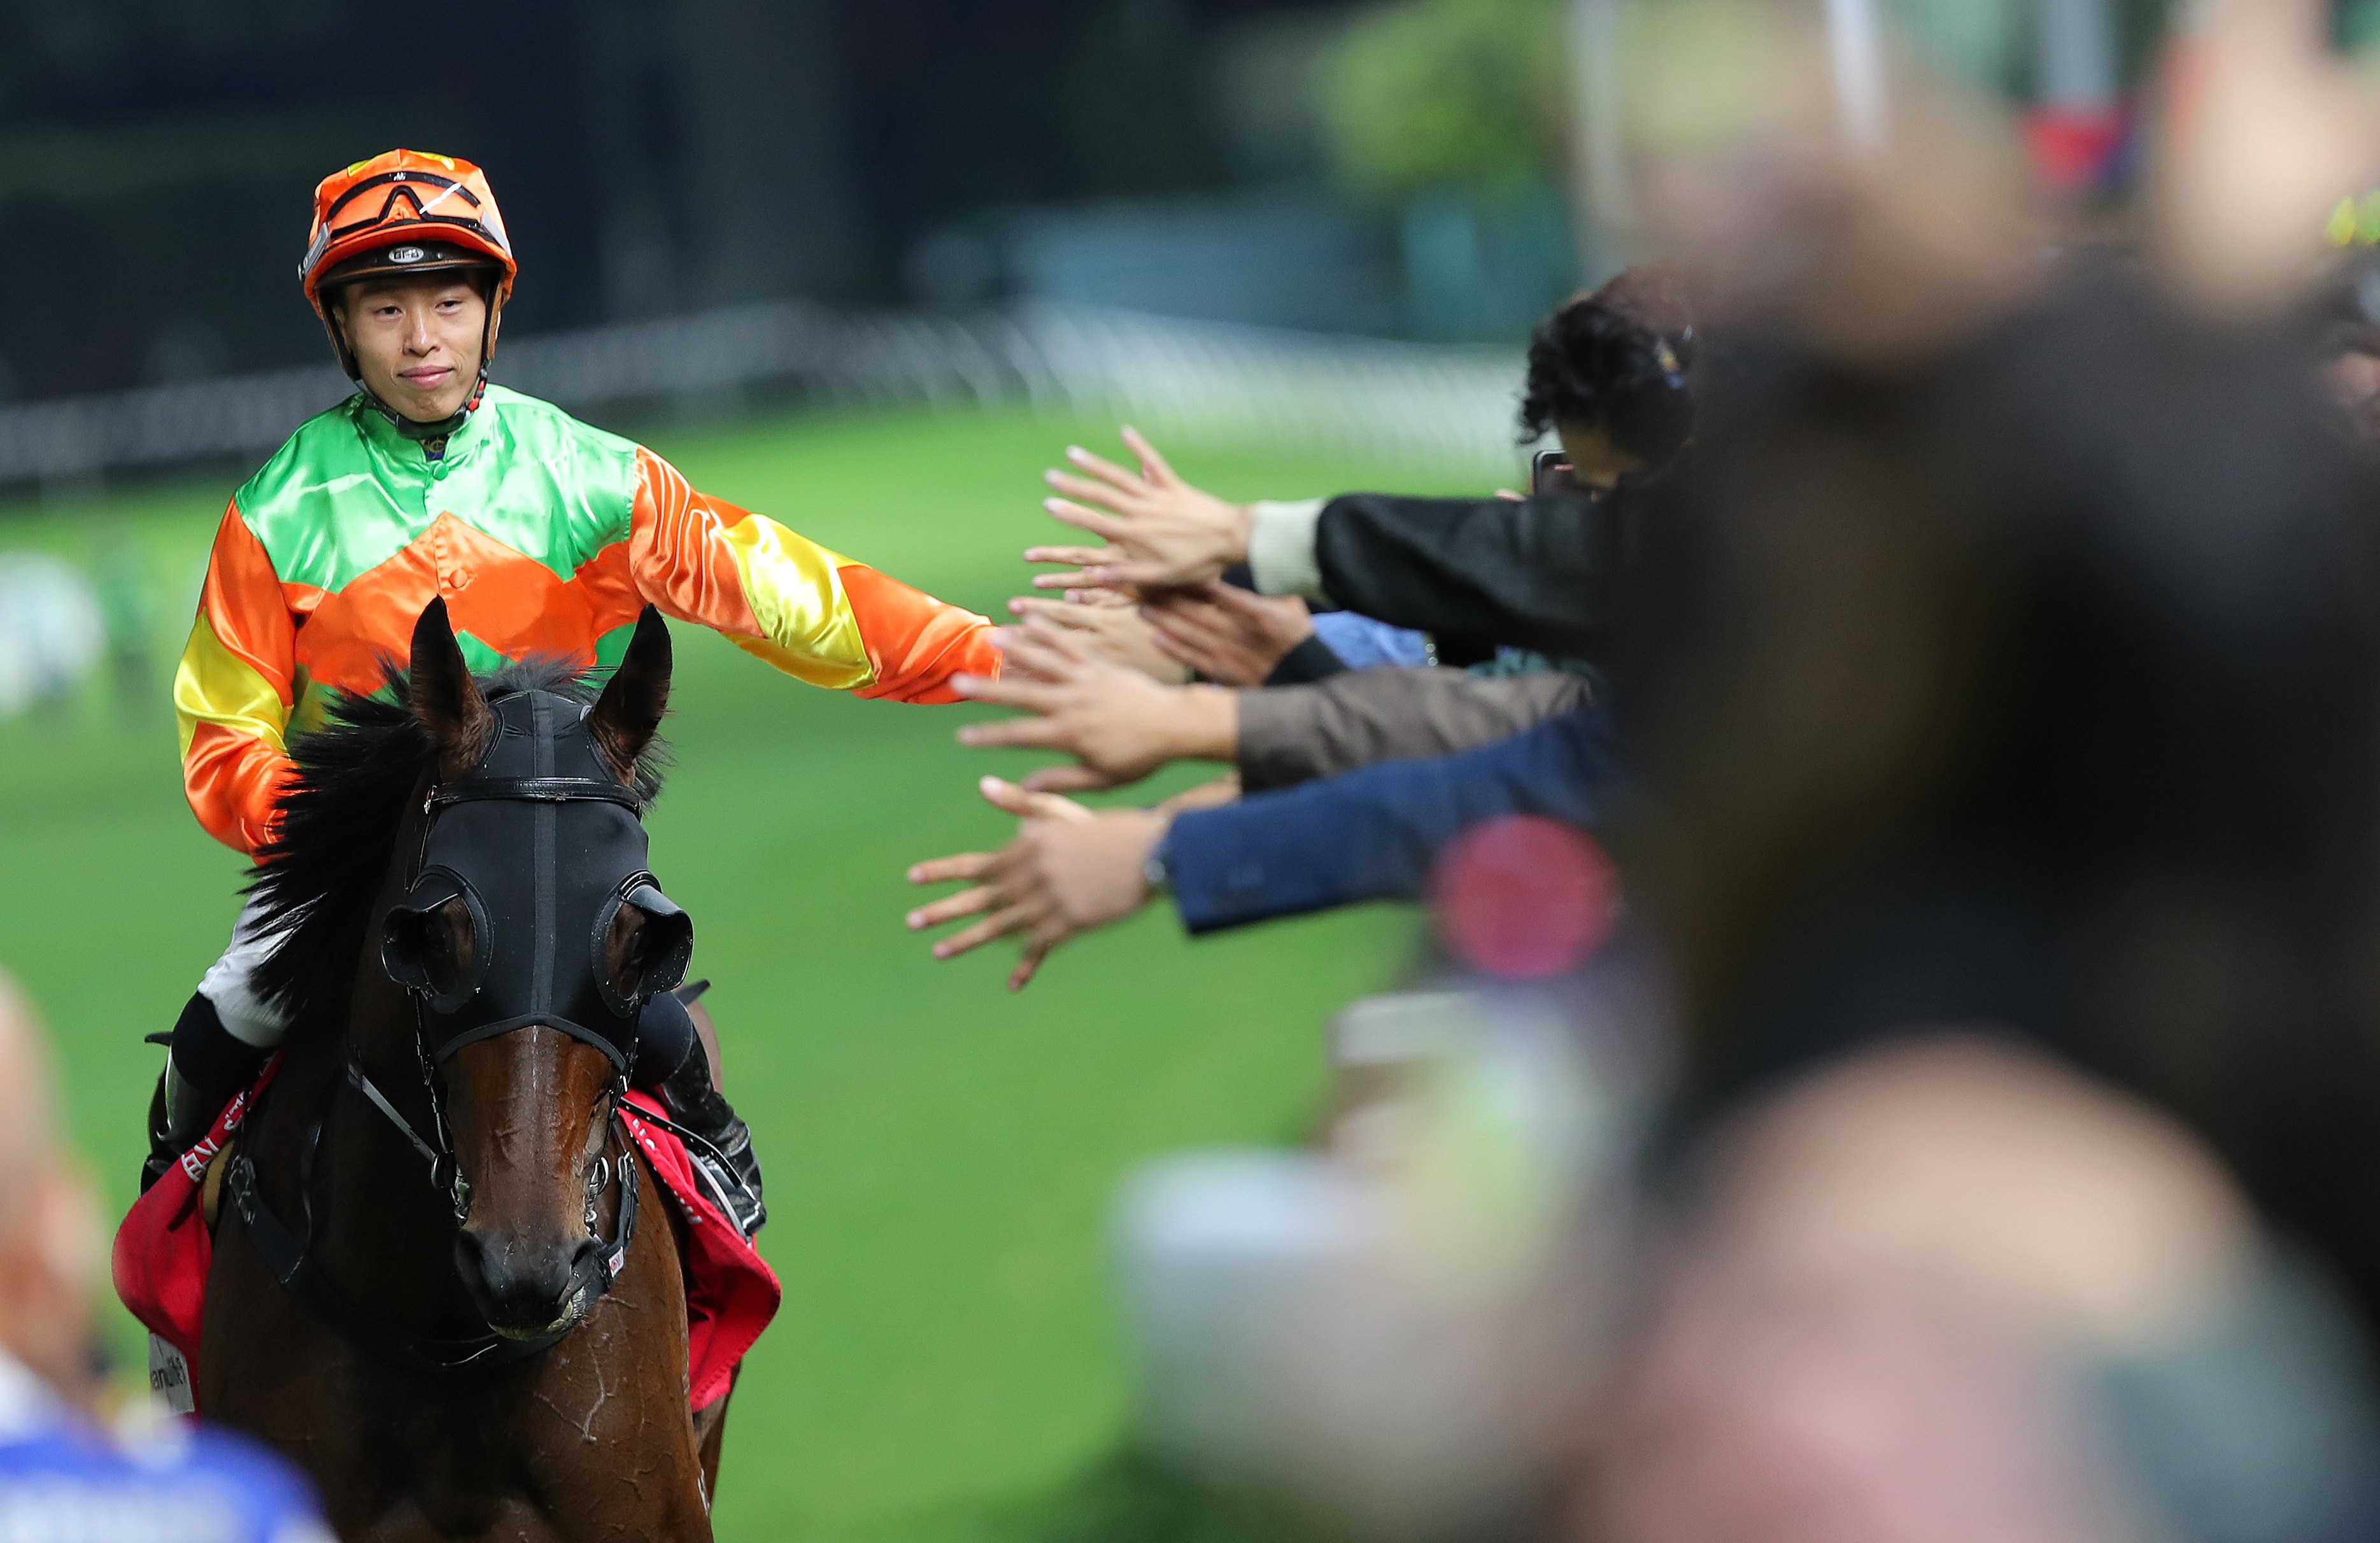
405	211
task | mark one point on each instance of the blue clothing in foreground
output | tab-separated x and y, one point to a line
64	1481
1374	833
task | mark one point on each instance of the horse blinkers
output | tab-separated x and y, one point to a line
526	955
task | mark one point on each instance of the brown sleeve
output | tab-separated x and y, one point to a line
1293	734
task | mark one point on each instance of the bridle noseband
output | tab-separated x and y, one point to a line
289	1257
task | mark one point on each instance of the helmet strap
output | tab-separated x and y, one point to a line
413	427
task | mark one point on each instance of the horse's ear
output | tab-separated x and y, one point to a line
629	713
442	695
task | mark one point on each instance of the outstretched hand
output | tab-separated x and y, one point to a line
1115	628
1117	723
1068	870
1227	634
1160	532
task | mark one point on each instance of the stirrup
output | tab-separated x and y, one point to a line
732	1175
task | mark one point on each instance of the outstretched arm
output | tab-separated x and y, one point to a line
234	691
1541	572
1375	832
811	612
1297	734
1372	834
1116	723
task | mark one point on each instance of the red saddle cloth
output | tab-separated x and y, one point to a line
164	1249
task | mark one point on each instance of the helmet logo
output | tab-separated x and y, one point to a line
406	254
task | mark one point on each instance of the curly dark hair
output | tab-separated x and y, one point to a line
1619	360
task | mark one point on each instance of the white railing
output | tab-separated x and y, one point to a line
1393	401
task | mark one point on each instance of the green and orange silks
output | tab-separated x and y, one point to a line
545	537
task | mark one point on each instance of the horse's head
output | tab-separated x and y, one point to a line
531	933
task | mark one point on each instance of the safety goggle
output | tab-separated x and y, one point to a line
401	185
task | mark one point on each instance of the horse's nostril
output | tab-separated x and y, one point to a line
473	1257
520	1289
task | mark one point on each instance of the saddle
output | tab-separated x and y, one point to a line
165	1247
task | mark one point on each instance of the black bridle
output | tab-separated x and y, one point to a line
287	1254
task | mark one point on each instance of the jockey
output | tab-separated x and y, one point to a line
543	535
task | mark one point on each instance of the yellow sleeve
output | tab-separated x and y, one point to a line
232	692
810	612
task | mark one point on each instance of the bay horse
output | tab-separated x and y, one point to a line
430	1288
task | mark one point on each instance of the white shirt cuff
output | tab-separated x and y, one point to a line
1280	548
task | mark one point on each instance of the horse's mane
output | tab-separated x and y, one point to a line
316	879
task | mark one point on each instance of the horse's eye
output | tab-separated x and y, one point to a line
623	950
448	947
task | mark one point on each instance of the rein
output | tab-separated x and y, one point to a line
287	1254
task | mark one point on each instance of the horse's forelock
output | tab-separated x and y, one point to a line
318	878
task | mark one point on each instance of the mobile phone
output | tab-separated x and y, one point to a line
1549	471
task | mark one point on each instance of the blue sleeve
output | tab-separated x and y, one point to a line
1373	833
1365	644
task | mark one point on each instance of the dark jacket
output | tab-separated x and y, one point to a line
1542	573
1374	833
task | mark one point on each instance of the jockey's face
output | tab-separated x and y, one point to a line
416	340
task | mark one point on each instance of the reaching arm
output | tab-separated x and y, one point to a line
234	691
1295	733
1374	833
812	613
1541	573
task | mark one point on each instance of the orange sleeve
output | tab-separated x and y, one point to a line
810	612
915	642
234	691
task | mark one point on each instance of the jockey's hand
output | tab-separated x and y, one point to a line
1227	634
1119	724
1160	532
1068	870
1117	631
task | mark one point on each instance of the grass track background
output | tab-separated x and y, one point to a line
941	1156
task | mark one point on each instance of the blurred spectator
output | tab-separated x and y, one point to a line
2349	342
1951	1292
63	1479
2033	685
53	629
2004	718
1396	1333
127	604
1611	373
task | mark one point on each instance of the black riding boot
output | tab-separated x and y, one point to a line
665	1038
205	1064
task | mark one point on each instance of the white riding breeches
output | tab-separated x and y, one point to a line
229	984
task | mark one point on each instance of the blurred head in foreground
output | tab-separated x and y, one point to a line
2033	686
49	1235
2006	708
2007	723
1954	1292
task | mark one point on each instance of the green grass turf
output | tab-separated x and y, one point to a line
941	1155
